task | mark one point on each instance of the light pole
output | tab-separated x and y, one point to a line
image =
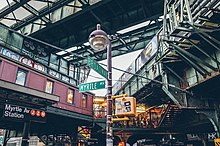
99	40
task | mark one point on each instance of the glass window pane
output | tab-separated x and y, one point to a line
21	77
15	40
84	101
43	59
70	96
63	66
49	87
71	70
54	61
3	34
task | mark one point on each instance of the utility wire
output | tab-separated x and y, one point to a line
156	81
112	80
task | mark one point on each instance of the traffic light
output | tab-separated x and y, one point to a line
121	144
125	106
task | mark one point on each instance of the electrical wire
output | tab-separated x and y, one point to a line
156	81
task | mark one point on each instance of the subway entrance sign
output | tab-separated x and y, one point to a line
91	86
96	67
16	112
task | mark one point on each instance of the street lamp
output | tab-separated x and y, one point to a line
99	40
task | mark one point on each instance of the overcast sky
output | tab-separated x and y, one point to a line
122	62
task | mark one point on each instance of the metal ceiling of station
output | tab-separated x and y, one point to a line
68	23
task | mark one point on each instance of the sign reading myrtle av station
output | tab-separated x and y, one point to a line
91	86
15	112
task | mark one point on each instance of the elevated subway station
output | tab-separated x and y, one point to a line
174	79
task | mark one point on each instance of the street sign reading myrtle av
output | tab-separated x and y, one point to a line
98	68
91	86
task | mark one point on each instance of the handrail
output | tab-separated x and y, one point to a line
164	115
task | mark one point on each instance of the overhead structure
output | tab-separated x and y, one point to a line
67	24
183	71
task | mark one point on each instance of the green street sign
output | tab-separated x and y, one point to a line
98	68
91	86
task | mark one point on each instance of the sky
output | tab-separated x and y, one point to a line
122	62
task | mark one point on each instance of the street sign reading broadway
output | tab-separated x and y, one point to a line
98	68
91	86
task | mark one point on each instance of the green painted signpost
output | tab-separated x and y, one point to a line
98	68
91	86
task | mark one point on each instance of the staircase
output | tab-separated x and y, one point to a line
169	117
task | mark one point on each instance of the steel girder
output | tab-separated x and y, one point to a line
112	15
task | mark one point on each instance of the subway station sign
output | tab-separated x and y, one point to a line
15	112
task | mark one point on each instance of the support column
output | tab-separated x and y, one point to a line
204	142
74	138
25	134
124	136
6	137
213	118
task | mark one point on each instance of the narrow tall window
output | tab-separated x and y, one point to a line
84	100
21	77
63	66
49	87
70	96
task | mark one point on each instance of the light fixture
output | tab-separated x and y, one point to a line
98	39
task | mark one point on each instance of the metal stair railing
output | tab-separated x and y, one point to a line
164	115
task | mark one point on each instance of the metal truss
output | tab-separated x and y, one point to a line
41	14
120	15
121	44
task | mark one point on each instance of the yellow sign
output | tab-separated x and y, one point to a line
217	141
84	131
125	106
120	119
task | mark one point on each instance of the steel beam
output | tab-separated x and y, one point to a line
213	118
70	114
174	73
116	48
170	95
18	20
206	37
198	68
203	52
35	12
209	42
12	8
42	13
193	57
